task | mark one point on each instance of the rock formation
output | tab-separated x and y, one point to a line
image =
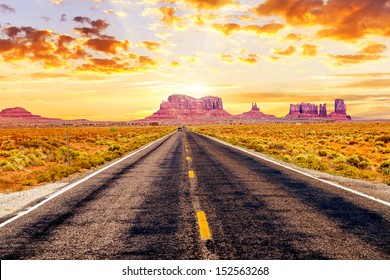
22	114
183	107
303	110
308	111
340	111
255	114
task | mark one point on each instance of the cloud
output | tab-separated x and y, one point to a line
175	64
118	13
226	57
46	19
109	46
228	28
287	52
63	18
293	37
97	26
369	84
150	45
359	75
105	65
169	17
270	28
345	20
7	9
249	59
309	50
372	51
211	4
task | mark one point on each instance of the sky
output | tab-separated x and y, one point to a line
117	59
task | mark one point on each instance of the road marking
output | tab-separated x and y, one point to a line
301	172
188	158
203	226
191	174
187	150
71	186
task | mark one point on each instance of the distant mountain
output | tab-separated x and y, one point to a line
21	113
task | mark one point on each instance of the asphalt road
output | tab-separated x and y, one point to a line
189	197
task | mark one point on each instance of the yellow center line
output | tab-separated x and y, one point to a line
187	150
188	158
203	226
191	174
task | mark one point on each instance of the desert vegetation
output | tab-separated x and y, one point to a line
355	150
33	156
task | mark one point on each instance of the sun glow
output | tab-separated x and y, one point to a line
197	89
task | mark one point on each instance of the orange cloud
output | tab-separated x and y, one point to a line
346	20
227	28
249	59
108	66
293	37
371	51
370	84
226	57
169	17
175	64
211	4
270	28
287	52
309	50
150	45
107	45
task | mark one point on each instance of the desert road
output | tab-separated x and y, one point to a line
189	197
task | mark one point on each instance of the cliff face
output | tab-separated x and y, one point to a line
190	108
255	114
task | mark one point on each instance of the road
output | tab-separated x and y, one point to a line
189	197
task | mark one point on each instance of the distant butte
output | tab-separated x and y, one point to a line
21	113
255	113
310	111
187	108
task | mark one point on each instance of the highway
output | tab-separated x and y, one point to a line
190	197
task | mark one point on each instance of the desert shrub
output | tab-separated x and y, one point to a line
114	147
385	139
323	153
8	166
380	143
385	167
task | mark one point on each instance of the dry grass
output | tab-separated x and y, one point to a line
355	150
32	156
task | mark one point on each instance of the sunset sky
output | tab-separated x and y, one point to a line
117	59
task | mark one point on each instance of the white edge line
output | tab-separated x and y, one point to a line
301	172
71	186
